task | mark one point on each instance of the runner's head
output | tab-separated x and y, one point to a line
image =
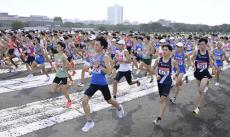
100	44
167	49
146	39
121	44
37	40
219	45
179	47
202	43
60	47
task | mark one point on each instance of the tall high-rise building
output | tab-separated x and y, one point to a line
115	15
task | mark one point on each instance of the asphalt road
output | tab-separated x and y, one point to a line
213	120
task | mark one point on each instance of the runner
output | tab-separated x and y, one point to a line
218	55
11	50
179	57
62	66
147	55
39	59
98	82
202	61
164	67
125	67
89	54
226	47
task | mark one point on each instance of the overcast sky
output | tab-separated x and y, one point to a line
211	12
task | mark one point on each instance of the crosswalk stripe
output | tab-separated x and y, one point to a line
17	121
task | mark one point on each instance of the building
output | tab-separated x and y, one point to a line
32	21
115	15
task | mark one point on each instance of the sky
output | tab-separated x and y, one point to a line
211	12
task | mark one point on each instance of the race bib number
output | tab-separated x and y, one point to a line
179	62
139	51
163	71
218	58
96	69
202	65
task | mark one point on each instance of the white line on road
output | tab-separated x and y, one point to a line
27	118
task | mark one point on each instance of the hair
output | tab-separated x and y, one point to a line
61	44
103	42
168	46
42	33
147	37
29	36
225	38
38	39
203	40
140	38
65	37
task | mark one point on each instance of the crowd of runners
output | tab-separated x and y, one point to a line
165	58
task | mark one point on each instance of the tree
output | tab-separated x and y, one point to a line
59	19
101	28
17	25
68	24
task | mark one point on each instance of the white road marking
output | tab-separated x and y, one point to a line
36	81
17	121
23	67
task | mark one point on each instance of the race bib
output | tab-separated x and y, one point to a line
179	62
202	65
163	71
96	69
218	58
139	51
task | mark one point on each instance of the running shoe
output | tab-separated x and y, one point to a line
80	85
121	112
88	125
196	111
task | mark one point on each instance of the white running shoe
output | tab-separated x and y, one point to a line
157	122
206	89
80	85
217	84
121	113
88	126
173	100
196	111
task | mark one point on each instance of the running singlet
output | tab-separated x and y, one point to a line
189	48
139	50
98	76
129	43
146	52
113	49
226	49
218	54
164	71
202	61
179	58
61	71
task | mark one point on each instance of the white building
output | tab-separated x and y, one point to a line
115	15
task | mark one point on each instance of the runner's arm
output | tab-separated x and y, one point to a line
107	68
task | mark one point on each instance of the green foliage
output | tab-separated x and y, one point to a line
17	25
